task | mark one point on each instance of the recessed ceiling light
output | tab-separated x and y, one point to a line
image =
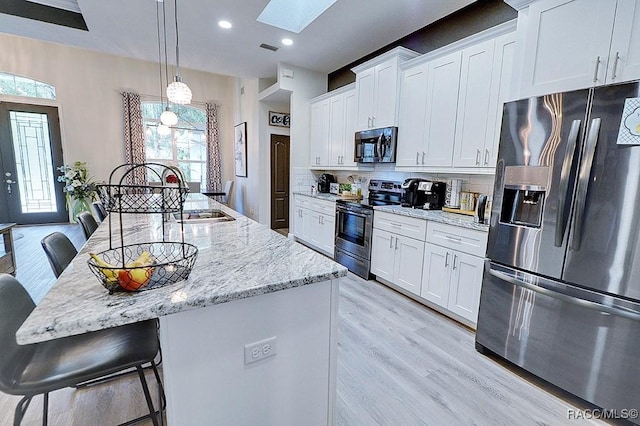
225	24
287	41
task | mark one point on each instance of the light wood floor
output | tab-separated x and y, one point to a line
399	363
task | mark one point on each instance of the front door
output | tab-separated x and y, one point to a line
279	181
30	151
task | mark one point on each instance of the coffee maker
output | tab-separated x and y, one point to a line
325	181
411	197
434	194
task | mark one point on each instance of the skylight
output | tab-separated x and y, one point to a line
70	5
293	15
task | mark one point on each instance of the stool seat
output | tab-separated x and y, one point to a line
65	362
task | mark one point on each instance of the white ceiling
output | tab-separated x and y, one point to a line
347	31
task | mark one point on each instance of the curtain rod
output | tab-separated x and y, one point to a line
156	97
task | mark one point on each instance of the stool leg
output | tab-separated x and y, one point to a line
147	395
21	409
45	408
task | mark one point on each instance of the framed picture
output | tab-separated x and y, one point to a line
241	149
280	119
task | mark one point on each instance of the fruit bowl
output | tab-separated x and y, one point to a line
140	267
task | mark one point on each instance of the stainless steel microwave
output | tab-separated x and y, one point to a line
376	145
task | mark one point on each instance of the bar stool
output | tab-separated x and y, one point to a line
41	368
89	224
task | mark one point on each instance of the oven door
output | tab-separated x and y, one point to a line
353	230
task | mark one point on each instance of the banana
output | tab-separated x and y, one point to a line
145	259
107	269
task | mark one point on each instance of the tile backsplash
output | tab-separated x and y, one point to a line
304	178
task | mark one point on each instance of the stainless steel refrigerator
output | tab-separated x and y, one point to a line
561	288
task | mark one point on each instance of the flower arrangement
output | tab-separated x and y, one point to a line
77	183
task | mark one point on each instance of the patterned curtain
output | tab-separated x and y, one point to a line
134	137
214	172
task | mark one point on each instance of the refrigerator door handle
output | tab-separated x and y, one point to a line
564	181
609	309
583	184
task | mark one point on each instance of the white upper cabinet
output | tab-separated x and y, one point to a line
319	146
625	43
502	76
411	125
377	84
442	104
472	123
574	44
332	129
451	103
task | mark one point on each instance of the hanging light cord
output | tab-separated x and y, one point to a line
175	5
166	59
159	51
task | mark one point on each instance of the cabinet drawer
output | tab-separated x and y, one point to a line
302	201
324	207
401	225
462	239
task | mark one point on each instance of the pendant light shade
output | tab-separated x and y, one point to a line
163	130
178	92
169	118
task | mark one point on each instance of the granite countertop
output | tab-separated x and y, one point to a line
320	195
461	220
236	259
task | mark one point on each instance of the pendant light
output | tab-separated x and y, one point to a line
168	117
178	92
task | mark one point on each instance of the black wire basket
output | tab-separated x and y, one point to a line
145	266
141	198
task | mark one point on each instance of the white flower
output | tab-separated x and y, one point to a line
76	183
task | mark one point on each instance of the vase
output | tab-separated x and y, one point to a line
79	205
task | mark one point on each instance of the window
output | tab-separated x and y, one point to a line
16	85
185	146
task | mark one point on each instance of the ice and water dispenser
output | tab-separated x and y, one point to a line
524	193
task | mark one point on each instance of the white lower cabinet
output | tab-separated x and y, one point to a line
452	280
394	258
439	263
452	269
314	223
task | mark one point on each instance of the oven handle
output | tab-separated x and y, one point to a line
345	211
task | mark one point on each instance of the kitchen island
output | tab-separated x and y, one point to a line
249	284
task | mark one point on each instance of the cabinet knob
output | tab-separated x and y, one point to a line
477	157
417	157
446	260
423	154
486	157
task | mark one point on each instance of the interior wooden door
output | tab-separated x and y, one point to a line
279	181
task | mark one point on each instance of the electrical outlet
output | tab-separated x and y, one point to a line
259	350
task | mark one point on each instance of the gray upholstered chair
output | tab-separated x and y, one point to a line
88	223
60	251
40	368
227	191
101	212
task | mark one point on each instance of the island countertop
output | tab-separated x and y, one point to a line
236	259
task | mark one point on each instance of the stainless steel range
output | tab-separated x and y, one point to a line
354	225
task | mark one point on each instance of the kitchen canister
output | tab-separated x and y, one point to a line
452	197
467	201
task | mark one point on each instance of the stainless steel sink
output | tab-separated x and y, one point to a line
203	216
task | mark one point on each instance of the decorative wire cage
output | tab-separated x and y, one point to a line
150	265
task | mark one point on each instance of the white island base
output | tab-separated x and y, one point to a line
203	358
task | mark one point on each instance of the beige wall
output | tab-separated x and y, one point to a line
88	87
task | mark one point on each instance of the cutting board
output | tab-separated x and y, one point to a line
458	211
